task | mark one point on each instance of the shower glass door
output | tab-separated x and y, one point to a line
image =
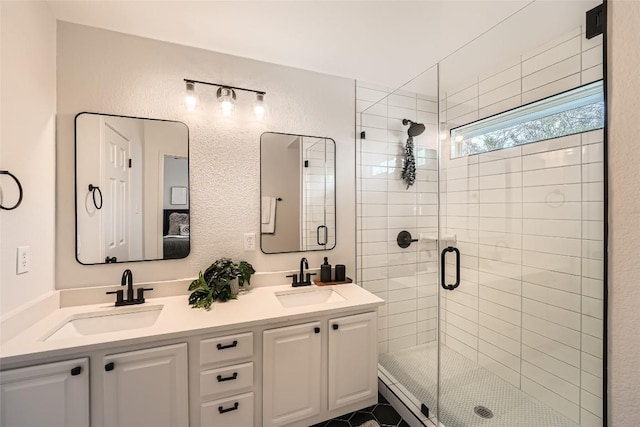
397	223
494	305
522	202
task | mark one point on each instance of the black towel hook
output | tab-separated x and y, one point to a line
20	193
93	189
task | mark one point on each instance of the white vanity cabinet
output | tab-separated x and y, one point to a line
297	358
291	373
53	395
226	381
146	388
353	360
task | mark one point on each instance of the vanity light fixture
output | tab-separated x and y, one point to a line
190	96
226	96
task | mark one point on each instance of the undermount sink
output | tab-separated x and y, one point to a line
302	297
99	322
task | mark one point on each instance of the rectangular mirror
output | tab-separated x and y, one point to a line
297	189
132	189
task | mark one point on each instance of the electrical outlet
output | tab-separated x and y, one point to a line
249	242
24	259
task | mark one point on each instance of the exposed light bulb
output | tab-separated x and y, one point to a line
227	99
190	97
259	107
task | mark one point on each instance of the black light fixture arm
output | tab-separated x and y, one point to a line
259	92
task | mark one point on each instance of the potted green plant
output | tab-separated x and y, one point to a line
216	283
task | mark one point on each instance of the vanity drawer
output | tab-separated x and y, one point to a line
236	411
227	379
222	349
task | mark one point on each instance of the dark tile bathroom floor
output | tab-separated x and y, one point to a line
383	413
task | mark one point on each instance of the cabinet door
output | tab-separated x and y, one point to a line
53	395
147	388
291	374
353	359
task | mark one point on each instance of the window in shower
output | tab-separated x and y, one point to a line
574	111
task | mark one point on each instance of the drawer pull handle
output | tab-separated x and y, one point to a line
335	326
76	371
232	377
109	366
223	410
316	330
222	347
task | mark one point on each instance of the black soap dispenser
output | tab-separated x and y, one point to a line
325	271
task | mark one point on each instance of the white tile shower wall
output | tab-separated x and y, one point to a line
318	194
404	278
529	223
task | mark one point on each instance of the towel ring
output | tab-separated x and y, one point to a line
93	189
20	193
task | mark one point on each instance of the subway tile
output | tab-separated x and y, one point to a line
500	93
552	348
543	310
554	366
592	137
499	369
369	261
402	343
501	312
373	95
552	194
592	384
559	263
379	285
500	106
559	175
428	106
591	364
593	230
400	307
551	144
592	57
501	210
593	192
557	402
593	288
460	322
506	225
552	296
462	96
464	337
467	312
551	56
500	253
591	403
500	341
370	120
501	166
504	284
593	211
498	354
499	195
592	326
553	88
551	382
564	210
593	249
402	101
468	352
500	326
504	269
593	153
552	159
559	70
551	330
552	245
501	239
592	307
507	180
499	154
402	331
570	35
592	345
592	172
499	297
499	79
592	42
591	75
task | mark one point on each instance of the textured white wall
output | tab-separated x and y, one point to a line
624	211
28	102
108	72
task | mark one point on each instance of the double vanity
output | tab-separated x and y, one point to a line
276	356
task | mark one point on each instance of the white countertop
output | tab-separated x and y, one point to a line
258	306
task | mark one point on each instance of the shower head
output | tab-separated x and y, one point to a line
415	129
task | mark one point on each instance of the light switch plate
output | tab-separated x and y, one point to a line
24	259
249	242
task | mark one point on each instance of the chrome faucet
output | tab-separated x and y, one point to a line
127	280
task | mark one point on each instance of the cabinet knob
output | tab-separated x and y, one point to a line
76	371
109	366
316	330
335	326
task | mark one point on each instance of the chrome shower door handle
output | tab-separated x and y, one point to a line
443	268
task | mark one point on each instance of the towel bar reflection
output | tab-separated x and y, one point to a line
20	193
93	189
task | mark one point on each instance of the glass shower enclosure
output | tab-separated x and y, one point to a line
491	259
